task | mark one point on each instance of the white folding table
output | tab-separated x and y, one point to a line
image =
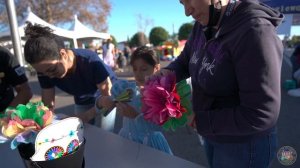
108	150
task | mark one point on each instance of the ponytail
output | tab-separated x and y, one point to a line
36	31
41	44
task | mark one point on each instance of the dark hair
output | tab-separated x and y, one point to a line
41	44
145	53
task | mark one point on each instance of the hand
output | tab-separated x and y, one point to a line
191	121
126	110
106	102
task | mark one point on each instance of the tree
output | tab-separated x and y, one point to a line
91	12
158	35
184	31
143	23
138	39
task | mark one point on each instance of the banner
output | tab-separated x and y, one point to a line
284	6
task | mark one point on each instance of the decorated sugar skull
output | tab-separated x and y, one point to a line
58	139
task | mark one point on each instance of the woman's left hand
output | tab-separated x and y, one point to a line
126	110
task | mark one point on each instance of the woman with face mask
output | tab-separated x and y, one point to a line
233	57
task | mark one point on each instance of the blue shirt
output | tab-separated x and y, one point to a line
82	83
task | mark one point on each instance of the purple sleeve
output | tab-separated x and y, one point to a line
257	61
181	64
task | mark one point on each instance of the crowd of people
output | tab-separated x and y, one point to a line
236	85
117	59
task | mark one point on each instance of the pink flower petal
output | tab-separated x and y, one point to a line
161	100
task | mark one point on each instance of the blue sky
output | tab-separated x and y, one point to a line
123	22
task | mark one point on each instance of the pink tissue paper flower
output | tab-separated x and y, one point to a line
160	100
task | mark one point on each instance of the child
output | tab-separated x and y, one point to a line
144	63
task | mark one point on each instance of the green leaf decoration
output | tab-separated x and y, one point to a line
184	91
29	111
174	123
3	116
125	96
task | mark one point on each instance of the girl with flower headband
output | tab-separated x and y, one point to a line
144	62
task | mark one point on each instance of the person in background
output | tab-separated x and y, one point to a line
295	60
144	63
99	51
234	58
12	78
78	72
109	53
121	61
127	52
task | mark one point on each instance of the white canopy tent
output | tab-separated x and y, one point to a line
81	31
31	17
78	30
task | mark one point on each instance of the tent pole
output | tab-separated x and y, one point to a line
75	43
11	11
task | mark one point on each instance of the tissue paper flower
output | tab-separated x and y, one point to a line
124	96
166	103
23	118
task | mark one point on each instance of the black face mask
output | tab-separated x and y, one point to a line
214	14
210	33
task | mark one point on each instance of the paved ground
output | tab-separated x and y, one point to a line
185	143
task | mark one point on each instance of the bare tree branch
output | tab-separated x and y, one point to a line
93	13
